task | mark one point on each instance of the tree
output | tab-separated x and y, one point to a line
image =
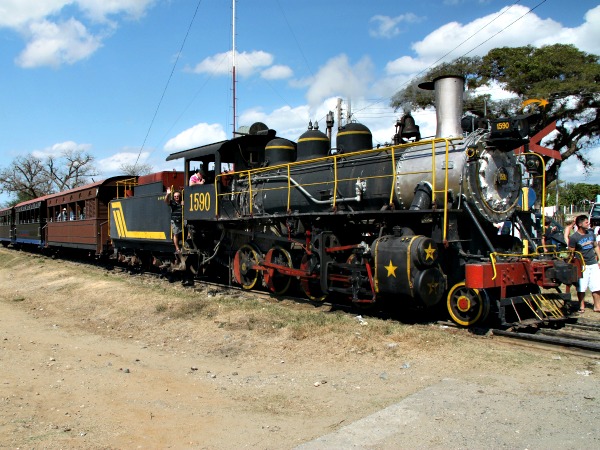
579	194
135	169
561	74
29	177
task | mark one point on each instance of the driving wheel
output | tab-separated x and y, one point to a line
277	282
245	268
312	286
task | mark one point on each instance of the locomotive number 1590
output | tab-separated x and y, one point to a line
199	201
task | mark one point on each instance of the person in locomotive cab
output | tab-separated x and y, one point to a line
196	178
176	205
584	241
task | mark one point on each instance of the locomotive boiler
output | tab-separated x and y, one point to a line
479	169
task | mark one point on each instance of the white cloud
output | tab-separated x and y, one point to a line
509	27
495	90
100	9
492	31
585	37
405	65
277	72
388	27
200	134
246	63
60	147
289	122
54	44
17	13
112	164
339	78
572	170
52	38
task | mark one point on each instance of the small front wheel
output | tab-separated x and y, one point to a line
467	306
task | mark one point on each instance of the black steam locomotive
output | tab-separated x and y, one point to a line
407	225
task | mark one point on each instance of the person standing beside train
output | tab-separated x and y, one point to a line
584	241
176	205
569	229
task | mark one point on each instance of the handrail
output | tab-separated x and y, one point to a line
335	182
393	177
126	183
249	174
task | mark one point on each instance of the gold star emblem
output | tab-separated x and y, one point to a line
391	268
430	251
433	287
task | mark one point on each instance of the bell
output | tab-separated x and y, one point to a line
409	129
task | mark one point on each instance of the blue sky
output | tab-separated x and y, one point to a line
90	74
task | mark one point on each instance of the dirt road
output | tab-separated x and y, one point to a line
91	360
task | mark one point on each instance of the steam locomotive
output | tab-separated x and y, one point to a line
411	225
408	225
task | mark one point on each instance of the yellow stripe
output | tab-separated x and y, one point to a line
344	133
273	147
322	139
121	221
119	217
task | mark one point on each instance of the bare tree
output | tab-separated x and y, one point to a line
25	178
72	169
136	169
29	177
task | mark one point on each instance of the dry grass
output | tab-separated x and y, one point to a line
156	312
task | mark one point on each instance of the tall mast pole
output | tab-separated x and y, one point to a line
233	65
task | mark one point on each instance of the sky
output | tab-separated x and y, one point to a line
136	80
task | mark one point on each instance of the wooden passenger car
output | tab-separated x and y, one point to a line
78	218
30	220
7	225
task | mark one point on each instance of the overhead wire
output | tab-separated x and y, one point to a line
362	110
410	80
168	82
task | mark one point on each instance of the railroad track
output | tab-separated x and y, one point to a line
202	285
582	334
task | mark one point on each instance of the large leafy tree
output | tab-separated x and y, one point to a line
578	194
29	176
561	74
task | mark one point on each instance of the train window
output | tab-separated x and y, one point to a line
80	210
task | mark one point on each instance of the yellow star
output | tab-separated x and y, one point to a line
391	269
430	251
433	287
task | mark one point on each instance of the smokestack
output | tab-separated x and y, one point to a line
448	104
